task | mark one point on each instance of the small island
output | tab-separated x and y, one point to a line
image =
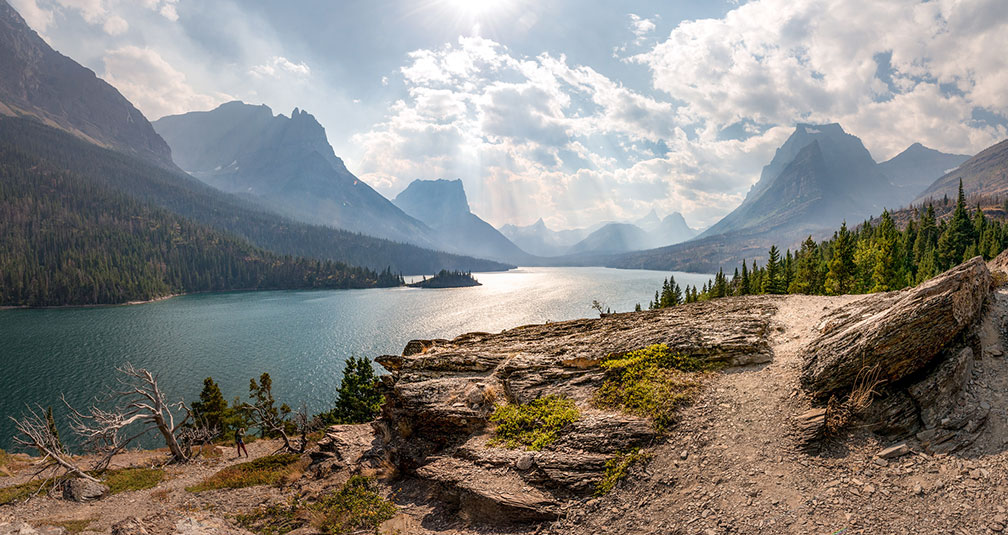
447	279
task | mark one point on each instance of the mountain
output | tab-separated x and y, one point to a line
984	174
673	229
286	164
613	238
917	167
649	222
442	205
540	240
37	81
835	180
193	200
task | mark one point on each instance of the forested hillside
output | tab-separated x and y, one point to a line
190	198
67	240
888	253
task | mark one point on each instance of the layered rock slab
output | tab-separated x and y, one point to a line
441	393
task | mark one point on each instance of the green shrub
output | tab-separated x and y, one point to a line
617	468
130	479
653	382
267	470
534	424
357	507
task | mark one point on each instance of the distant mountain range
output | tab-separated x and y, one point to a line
37	81
287	165
442	205
818	178
605	238
984	174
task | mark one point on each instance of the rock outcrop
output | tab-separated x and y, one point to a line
910	352
441	393
899	332
83	490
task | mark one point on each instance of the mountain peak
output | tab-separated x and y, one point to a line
429	200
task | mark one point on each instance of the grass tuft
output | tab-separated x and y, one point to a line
132	479
533	425
267	470
617	468
652	382
23	491
71	526
357	507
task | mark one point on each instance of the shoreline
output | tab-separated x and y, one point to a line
95	305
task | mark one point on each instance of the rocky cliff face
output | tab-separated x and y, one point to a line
37	81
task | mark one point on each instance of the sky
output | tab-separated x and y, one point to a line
573	111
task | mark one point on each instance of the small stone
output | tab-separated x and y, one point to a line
985	406
997	527
684	455
524	461
894	451
881	462
917	490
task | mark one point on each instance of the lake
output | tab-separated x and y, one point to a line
300	337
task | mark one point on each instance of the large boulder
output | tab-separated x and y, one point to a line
897	333
83	490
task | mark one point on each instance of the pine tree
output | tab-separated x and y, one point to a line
261	394
51	424
212	409
358	399
772	281
840	277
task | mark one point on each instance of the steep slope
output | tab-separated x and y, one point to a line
917	167
287	165
69	239
843	167
185	196
540	240
36	80
442	205
984	174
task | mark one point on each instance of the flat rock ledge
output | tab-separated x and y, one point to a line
915	349
434	425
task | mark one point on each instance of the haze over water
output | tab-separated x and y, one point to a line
300	337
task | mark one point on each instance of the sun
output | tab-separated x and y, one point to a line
476	8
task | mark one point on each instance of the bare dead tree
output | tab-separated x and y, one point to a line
35	432
276	422
138	406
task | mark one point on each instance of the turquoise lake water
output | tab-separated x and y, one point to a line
300	337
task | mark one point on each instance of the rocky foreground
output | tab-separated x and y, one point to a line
856	414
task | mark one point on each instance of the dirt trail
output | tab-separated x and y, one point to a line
733	465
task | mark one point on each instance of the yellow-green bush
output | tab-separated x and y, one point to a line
653	382
129	479
267	470
357	507
535	424
617	468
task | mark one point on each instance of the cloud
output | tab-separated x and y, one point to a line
535	136
892	72
152	84
640	26
115	25
280	67
38	18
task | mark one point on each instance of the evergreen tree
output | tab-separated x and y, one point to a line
51	424
840	277
212	409
358	399
261	394
773	280
808	277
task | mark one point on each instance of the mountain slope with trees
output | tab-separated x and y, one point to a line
68	240
984	174
191	199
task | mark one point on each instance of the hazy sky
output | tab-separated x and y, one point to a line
575	111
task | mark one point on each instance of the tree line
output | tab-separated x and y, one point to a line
877	257
65	240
